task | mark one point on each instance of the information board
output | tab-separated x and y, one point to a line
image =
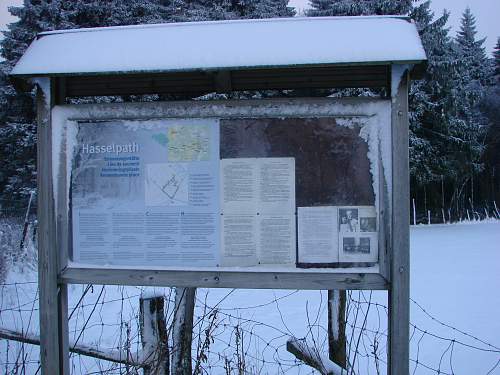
146	193
292	192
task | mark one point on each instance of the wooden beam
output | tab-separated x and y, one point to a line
361	278
111	355
198	82
223	81
47	262
53	300
312	357
399	292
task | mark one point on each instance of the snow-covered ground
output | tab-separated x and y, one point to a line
454	313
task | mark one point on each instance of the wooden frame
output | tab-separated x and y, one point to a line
369	111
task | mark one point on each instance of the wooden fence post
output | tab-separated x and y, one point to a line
154	336
182	335
336	327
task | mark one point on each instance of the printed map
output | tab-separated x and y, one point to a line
166	184
187	143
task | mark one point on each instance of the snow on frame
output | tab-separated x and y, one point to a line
224	44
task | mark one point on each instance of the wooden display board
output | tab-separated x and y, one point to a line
112	161
355	118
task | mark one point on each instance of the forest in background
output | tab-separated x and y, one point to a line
454	108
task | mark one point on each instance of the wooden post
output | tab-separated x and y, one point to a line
414	213
399	291
336	327
54	351
182	336
154	336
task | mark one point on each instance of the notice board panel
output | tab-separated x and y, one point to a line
222	193
289	189
146	192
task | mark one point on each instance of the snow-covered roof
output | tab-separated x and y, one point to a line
234	44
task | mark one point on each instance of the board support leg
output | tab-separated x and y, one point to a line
399	291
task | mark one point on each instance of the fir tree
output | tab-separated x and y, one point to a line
447	129
430	106
472	51
475	74
496	60
358	7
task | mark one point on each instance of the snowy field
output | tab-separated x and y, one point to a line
454	315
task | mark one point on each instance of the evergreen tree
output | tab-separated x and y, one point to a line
472	51
447	129
358	7
202	10
496	60
431	107
475	74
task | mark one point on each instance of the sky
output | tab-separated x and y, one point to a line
485	11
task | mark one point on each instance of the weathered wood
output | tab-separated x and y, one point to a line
217	81
337	348
154	336
223	81
357	108
360	278
182	335
62	307
321	77
50	351
312	357
399	292
384	223
364	110
111	355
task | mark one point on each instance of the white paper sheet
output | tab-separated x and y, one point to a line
317	234
258	211
276	239
239	186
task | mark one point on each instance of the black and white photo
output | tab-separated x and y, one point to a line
368	224
356	245
348	220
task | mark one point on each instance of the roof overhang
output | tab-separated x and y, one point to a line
285	44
